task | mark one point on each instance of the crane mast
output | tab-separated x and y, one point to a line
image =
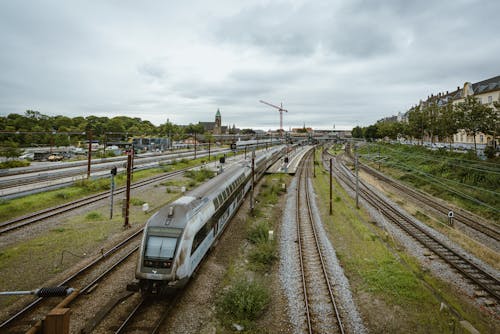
280	109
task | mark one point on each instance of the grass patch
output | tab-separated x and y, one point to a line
242	303
93	216
199	175
14	164
136	201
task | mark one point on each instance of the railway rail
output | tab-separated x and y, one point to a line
460	216
322	315
147	316
466	218
35	217
84	280
478	276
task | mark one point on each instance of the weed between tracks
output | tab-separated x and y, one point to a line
245	289
386	282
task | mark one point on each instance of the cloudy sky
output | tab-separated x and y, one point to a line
331	63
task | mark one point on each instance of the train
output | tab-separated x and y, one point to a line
178	236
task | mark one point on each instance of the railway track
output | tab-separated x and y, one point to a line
478	276
322	315
35	217
84	280
460	216
466	218
147	316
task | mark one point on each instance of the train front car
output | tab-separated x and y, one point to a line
166	244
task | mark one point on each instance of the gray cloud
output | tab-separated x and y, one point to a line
329	62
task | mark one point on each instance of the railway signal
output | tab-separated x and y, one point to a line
280	109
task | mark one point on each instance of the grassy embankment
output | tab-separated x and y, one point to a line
245	294
21	206
39	258
458	178
393	292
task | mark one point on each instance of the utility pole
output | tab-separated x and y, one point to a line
113	173
331	171
195	146
89	157
126	224
253	181
357	180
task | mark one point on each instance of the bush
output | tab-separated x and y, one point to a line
136	201
14	164
243	302
263	255
259	233
199	175
93	215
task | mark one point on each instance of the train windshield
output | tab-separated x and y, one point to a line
161	247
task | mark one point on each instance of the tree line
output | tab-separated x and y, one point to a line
436	122
36	129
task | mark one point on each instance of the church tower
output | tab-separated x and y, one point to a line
218	123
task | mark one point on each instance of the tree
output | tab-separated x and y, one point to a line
416	123
371	132
357	132
448	122
477	117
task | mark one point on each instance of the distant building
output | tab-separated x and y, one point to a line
215	127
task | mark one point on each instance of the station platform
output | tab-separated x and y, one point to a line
294	157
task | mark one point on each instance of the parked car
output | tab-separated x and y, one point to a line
55	157
27	156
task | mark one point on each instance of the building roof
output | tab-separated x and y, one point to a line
218	113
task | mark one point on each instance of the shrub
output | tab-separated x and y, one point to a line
93	215
14	164
136	201
199	175
259	233
263	255
243	302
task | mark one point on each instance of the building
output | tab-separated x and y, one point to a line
215	127
486	92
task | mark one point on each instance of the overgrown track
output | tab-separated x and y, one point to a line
322	315
460	216
54	211
84	280
467	268
466	218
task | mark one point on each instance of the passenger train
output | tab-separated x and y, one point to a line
179	235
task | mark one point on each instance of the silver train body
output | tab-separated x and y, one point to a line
179	235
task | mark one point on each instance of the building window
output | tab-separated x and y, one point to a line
481	138
490	99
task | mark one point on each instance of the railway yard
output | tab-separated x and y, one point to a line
310	260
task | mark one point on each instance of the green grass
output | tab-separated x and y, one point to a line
21	206
455	177
382	275
242	303
244	300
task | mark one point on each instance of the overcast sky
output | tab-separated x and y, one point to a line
331	63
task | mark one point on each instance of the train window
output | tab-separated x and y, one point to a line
200	236
160	247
